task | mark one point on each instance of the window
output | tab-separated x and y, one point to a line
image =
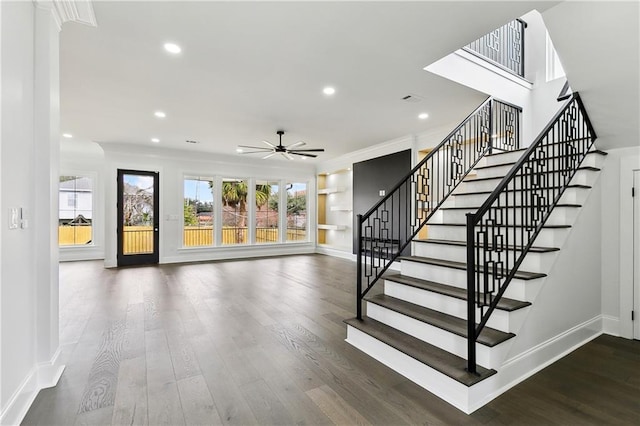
296	212
234	194
554	67
198	212
72	200
267	199
75	212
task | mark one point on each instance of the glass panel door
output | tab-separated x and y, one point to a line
138	221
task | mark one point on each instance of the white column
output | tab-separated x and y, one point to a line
46	175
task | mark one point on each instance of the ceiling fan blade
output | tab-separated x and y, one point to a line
303	155
307	150
269	143
286	155
254	152
255	147
269	155
299	143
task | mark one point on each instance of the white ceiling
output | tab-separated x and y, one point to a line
599	46
248	69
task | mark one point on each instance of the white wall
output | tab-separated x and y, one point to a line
617	239
571	294
29	274
173	166
535	95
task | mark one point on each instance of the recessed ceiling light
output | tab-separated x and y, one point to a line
423	116
67	135
160	114
304	158
172	48
238	149
329	91
155	140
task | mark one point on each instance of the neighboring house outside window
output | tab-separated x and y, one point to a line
75	215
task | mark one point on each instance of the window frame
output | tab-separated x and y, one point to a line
95	214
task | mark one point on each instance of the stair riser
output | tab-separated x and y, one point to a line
559	216
497	171
518	289
548	237
490	160
499	320
533	261
582	177
486	356
592	160
441	385
570	196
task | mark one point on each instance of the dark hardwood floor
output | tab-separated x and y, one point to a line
262	342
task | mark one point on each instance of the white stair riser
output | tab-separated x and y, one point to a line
518	289
500	320
533	261
570	196
441	385
559	216
509	157
548	237
450	342
582	177
497	171
592	159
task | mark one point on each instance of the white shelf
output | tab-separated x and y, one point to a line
331	227
340	208
331	190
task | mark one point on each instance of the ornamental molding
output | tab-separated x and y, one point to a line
80	11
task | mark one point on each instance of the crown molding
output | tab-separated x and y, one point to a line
80	11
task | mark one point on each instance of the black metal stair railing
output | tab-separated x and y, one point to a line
501	232
503	46
388	227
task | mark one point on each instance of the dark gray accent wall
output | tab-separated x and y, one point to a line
370	176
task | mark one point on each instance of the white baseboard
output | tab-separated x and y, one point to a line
528	363
611	325
336	253
43	375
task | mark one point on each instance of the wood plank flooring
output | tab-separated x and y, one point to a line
261	342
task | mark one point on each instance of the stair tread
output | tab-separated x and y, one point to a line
544	188
571	205
440	360
504	304
488	336
464	244
590	168
523	275
498	226
510	163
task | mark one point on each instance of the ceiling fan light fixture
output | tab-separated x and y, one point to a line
287	152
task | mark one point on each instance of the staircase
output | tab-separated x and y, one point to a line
417	325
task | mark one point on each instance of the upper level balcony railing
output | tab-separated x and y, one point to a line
503	46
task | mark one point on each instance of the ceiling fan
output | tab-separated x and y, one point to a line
287	151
